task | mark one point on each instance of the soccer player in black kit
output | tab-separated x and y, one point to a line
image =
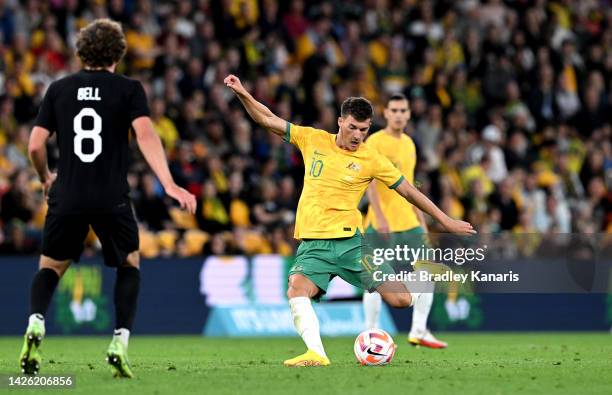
92	112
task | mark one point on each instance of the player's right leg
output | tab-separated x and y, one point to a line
43	285
372	303
63	237
301	289
309	278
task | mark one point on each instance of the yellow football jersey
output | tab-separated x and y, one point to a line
334	182
401	152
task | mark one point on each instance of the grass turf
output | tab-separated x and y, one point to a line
542	363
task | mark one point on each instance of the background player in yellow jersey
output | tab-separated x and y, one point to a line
390	213
338	171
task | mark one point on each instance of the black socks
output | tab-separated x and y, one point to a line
43	286
126	296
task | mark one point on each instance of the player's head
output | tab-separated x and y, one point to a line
397	111
354	122
101	44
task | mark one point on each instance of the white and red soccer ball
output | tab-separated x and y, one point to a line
374	347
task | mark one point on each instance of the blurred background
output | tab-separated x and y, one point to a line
511	115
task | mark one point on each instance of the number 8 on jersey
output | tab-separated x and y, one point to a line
82	134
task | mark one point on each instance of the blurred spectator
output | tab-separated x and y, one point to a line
18	202
516	110
591	115
212	214
427	133
503	199
516	152
151	207
600	204
534	203
141	44
163	125
17	241
558	217
184	169
269	212
491	140
566	99
543	102
238	207
17	151
294	21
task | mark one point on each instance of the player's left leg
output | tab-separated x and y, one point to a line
127	286
396	294
43	285
416	238
419	334
118	234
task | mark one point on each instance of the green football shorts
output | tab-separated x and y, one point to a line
320	260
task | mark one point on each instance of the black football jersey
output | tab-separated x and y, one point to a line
91	112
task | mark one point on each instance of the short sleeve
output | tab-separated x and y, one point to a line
297	135
46	113
139	106
385	172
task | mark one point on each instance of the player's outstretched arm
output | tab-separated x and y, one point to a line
151	147
415	197
37	149
258	112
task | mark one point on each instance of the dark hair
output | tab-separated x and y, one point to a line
101	43
359	107
397	97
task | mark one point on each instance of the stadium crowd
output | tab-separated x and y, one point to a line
511	108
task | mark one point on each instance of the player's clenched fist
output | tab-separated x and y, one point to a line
186	200
233	82
47	184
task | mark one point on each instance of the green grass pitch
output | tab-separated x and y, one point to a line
508	363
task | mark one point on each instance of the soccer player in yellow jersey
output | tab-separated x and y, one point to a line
390	213
338	171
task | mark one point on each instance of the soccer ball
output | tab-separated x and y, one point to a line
374	347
